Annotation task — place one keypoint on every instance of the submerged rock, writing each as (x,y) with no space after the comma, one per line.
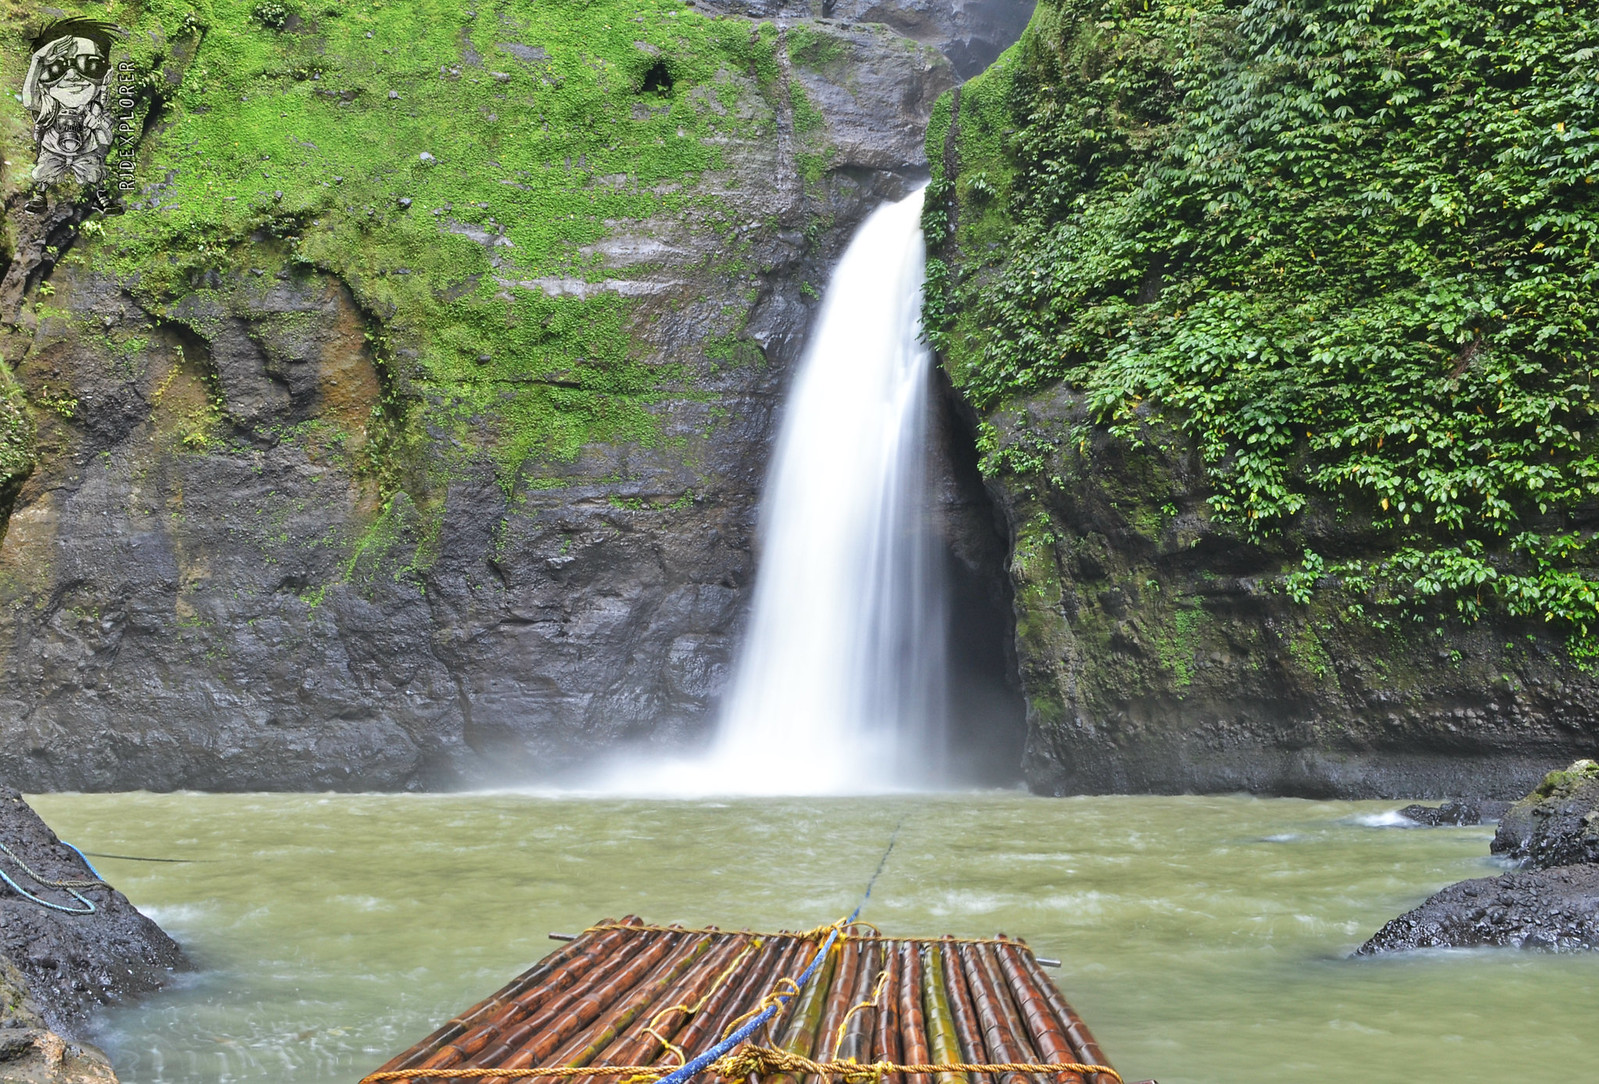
(71,962)
(1554,909)
(1557,824)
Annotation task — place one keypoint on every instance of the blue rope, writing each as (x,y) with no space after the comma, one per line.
(698,1065)
(85,858)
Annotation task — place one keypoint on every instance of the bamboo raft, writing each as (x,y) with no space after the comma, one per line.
(649,998)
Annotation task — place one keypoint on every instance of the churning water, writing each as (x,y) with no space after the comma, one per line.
(1205,940)
(838,684)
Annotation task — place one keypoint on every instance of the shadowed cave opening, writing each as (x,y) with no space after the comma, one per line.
(986,710)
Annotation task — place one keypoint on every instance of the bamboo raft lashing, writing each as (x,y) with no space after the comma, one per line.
(649,998)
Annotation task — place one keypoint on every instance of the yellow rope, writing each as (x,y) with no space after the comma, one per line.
(694,1010)
(869,1003)
(845,933)
(760,1060)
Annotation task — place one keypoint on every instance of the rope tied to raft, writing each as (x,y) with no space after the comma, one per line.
(747,1059)
(847,933)
(68,885)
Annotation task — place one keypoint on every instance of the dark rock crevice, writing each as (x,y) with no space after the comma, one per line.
(987,712)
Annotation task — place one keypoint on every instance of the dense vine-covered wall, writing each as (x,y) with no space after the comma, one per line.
(1278,317)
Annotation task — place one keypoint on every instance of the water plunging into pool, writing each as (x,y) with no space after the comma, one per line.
(837,687)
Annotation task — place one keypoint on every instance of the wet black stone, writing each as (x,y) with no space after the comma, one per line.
(72,963)
(1450,813)
(1556,910)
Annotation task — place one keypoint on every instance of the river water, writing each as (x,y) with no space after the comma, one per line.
(1204,939)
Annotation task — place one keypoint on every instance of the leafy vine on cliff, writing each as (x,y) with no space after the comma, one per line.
(1349,246)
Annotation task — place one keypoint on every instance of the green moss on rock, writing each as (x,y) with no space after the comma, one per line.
(1348,252)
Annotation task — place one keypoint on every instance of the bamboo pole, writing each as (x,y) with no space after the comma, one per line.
(943,1042)
(850,957)
(885,1029)
(535,1040)
(800,1035)
(913,1029)
(1048,1034)
(1077,1032)
(1004,1034)
(964,1013)
(852,1039)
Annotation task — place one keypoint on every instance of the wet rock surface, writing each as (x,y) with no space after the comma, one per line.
(1557,824)
(31,1053)
(1455,813)
(1553,904)
(1553,909)
(971,33)
(71,963)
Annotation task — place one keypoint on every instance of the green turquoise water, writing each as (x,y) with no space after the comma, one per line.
(1204,939)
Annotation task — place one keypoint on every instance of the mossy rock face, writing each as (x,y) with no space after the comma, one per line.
(406,425)
(1558,823)
(1247,554)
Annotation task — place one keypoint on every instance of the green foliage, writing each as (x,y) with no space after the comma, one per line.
(16,432)
(456,168)
(1348,246)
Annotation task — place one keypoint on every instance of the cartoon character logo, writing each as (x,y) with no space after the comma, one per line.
(67,92)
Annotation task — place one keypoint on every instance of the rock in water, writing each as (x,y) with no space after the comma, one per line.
(1552,905)
(1557,824)
(72,963)
(1555,909)
(1450,813)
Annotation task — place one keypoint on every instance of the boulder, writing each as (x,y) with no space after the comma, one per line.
(70,963)
(1557,824)
(1456,812)
(1551,909)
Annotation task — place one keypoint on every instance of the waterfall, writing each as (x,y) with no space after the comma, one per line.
(838,686)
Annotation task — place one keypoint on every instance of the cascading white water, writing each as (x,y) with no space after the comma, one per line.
(838,686)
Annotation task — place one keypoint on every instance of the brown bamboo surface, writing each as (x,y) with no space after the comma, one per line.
(628,994)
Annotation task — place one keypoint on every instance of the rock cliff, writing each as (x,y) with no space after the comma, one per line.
(1298,500)
(403,424)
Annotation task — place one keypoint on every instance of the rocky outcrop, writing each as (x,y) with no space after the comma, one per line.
(337,487)
(1553,904)
(1210,592)
(72,962)
(58,963)
(1557,824)
(971,33)
(1552,909)
(1160,652)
